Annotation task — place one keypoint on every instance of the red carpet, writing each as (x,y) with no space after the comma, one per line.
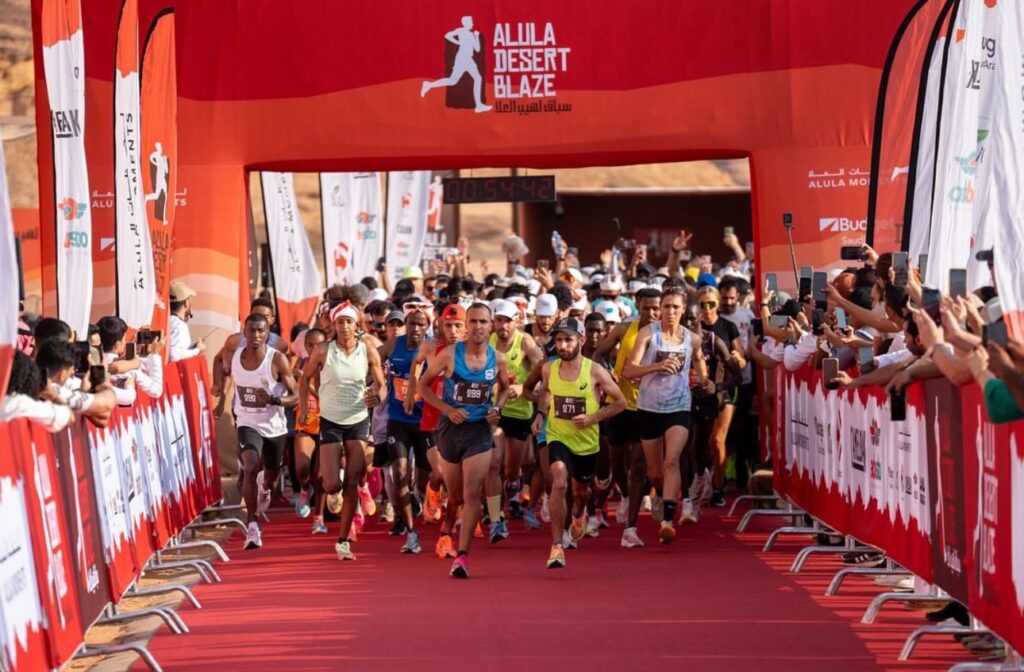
(711,601)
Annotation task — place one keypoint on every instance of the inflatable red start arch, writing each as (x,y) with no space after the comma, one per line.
(321,85)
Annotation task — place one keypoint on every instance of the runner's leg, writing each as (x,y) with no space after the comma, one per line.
(474,471)
(355,470)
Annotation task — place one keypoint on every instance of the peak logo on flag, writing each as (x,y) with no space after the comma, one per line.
(841,224)
(71,209)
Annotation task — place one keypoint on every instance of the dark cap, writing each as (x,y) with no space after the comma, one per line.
(569,325)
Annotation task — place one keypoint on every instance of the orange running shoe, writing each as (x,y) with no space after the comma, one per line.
(444,547)
(432,508)
(479,531)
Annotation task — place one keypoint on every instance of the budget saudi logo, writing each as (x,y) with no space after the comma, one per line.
(525,60)
(839,224)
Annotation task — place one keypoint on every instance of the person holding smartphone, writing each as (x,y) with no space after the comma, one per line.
(129,373)
(181,344)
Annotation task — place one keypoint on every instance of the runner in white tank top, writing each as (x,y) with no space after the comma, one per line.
(263,387)
(344,365)
(661,359)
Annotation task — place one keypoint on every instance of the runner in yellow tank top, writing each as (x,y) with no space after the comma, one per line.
(521,354)
(624,431)
(570,389)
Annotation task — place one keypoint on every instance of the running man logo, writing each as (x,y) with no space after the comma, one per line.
(159,173)
(463,56)
(71,209)
(841,224)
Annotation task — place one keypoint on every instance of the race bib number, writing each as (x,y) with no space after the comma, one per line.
(567,408)
(471,393)
(402,389)
(248,397)
(662,355)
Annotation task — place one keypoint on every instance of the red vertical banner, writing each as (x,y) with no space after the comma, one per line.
(159,111)
(50,542)
(22,635)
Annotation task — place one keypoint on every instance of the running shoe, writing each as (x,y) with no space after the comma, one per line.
(556,559)
(864,558)
(387,513)
(622,513)
(512,488)
(646,504)
(718,499)
(460,568)
(412,543)
(630,539)
(709,485)
(499,531)
(657,509)
(545,512)
(444,548)
(358,521)
(696,489)
(479,531)
(262,495)
(578,528)
(302,509)
(334,503)
(366,500)
(432,508)
(567,540)
(344,550)
(602,521)
(318,526)
(398,529)
(666,533)
(687,514)
(253,538)
(593,525)
(530,519)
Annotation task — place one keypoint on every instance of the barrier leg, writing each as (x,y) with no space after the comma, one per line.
(180,545)
(174,624)
(916,635)
(196,565)
(166,588)
(87,651)
(890,569)
(220,522)
(815,528)
(849,547)
(749,515)
(882,598)
(751,498)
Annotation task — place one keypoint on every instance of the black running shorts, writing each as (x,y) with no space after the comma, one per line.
(581,467)
(457,442)
(654,425)
(332,432)
(516,428)
(402,437)
(270,448)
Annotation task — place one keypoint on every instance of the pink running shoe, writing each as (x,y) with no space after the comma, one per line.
(366,500)
(460,568)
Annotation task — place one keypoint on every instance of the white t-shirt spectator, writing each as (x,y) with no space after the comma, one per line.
(54,417)
(148,378)
(181,340)
(903,356)
(742,317)
(797,355)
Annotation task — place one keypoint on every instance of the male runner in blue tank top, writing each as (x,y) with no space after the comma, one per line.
(471,370)
(403,429)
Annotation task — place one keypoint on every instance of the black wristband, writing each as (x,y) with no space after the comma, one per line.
(274,401)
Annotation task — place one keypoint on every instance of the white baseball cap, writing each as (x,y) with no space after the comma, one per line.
(580,302)
(503,308)
(636,285)
(547,306)
(610,311)
(378,295)
(533,286)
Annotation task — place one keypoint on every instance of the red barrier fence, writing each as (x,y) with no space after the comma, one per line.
(942,493)
(84,509)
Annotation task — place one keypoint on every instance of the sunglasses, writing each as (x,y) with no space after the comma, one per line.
(706,305)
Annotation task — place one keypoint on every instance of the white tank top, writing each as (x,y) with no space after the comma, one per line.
(268,421)
(663,392)
(343,385)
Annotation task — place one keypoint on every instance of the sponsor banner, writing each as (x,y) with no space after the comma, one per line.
(441,235)
(136,281)
(52,551)
(1005,195)
(84,527)
(8,280)
(924,171)
(195,384)
(118,550)
(159,115)
(961,146)
(352,210)
(894,139)
(942,492)
(22,637)
(407,219)
(297,283)
(64,66)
